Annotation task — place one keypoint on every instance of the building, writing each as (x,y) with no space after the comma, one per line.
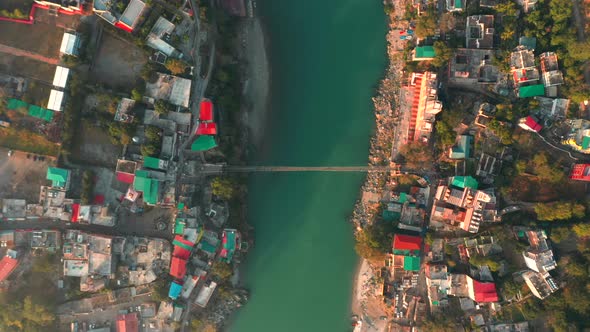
(59,177)
(149,187)
(481,292)
(70,44)
(421,53)
(539,256)
(67,6)
(455,5)
(230,241)
(60,79)
(541,284)
(527,5)
(550,70)
(155,163)
(175,290)
(479,31)
(464,182)
(14,209)
(174,89)
(406,250)
(465,208)
(580,172)
(130,17)
(488,166)
(125,171)
(530,123)
(438,283)
(462,149)
(205,294)
(160,35)
(424,105)
(529,43)
(203,143)
(127,323)
(7,265)
(531,91)
(206,110)
(125,110)
(56,99)
(473,66)
(178,267)
(578,136)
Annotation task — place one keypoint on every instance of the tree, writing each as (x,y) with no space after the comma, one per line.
(559,211)
(487,261)
(148,150)
(416,155)
(426,25)
(374,240)
(582,230)
(223,187)
(87,187)
(152,133)
(136,95)
(443,54)
(162,107)
(561,233)
(221,270)
(176,66)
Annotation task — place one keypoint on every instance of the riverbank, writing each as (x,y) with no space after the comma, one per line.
(367,303)
(256,98)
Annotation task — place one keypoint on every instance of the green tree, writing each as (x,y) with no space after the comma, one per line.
(581,230)
(87,192)
(479,260)
(221,270)
(162,107)
(148,150)
(223,187)
(427,23)
(561,210)
(136,95)
(176,66)
(443,54)
(416,155)
(153,133)
(561,233)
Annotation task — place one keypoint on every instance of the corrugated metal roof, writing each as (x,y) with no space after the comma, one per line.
(69,44)
(7,265)
(58,176)
(531,91)
(55,100)
(61,76)
(132,13)
(181,92)
(203,143)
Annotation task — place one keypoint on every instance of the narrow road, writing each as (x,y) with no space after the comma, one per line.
(35,56)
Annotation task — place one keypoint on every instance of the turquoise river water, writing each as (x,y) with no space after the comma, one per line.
(327,57)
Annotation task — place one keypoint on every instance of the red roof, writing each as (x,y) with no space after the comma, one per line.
(533,124)
(182,240)
(75,212)
(128,323)
(178,267)
(98,199)
(123,26)
(581,172)
(406,242)
(125,177)
(484,291)
(7,265)
(206,110)
(180,252)
(207,128)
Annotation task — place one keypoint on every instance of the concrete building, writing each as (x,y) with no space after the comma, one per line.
(530,123)
(174,89)
(462,148)
(68,6)
(541,284)
(205,294)
(473,66)
(580,172)
(479,31)
(125,110)
(14,209)
(455,5)
(70,44)
(424,106)
(539,256)
(160,35)
(550,70)
(527,5)
(438,283)
(60,78)
(578,136)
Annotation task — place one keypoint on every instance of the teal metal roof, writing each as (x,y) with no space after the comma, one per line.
(465,182)
(58,176)
(531,91)
(151,162)
(463,148)
(149,187)
(426,52)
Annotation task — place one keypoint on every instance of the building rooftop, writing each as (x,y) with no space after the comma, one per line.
(7,265)
(423,53)
(462,149)
(548,62)
(205,294)
(522,58)
(70,44)
(473,66)
(529,43)
(174,89)
(541,284)
(55,101)
(132,13)
(480,31)
(148,186)
(407,242)
(60,78)
(531,91)
(128,323)
(464,182)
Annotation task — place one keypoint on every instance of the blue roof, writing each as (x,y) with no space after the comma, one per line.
(175,290)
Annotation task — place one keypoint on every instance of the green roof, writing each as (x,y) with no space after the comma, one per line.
(465,182)
(180,206)
(14,104)
(463,148)
(203,143)
(531,91)
(229,246)
(208,247)
(411,263)
(426,51)
(458,4)
(179,226)
(40,113)
(586,142)
(182,245)
(149,187)
(403,197)
(151,162)
(58,176)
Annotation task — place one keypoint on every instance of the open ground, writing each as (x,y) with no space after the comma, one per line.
(94,147)
(21,177)
(117,62)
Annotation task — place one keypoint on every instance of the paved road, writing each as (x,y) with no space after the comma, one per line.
(35,56)
(131,225)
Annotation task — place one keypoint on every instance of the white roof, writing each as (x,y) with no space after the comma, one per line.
(132,13)
(55,100)
(61,76)
(69,44)
(181,92)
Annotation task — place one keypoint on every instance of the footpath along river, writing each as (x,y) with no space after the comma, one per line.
(326,58)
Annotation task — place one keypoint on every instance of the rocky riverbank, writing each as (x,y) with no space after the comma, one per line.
(365,304)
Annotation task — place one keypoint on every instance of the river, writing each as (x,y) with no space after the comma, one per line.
(326,58)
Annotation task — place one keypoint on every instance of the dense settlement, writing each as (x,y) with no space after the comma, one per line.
(484,115)
(115,213)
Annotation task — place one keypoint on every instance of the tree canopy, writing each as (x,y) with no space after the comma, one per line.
(560,210)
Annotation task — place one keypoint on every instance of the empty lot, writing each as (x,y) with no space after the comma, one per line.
(41,38)
(117,63)
(21,177)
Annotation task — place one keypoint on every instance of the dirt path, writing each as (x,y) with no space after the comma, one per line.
(31,55)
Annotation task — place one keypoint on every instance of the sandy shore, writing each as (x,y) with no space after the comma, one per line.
(257,83)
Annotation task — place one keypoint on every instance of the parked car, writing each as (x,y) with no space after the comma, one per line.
(10,153)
